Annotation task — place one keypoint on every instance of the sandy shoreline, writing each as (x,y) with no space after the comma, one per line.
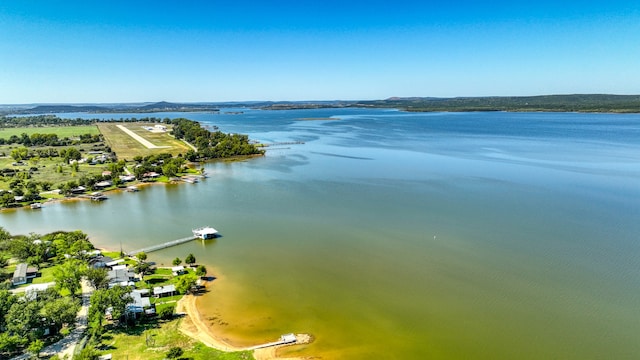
(194,326)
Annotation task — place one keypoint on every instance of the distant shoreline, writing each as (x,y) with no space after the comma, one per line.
(584,103)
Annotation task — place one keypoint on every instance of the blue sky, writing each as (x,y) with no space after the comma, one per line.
(131,51)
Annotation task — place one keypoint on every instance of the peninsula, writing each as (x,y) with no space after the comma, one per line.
(44,157)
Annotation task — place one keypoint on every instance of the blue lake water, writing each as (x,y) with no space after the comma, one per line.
(405,235)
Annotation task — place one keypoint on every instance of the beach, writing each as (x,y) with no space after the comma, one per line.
(194,326)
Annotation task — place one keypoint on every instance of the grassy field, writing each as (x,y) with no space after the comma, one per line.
(126,147)
(61,131)
(48,169)
(152,341)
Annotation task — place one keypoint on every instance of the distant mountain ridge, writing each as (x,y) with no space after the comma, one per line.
(552,103)
(564,103)
(161,106)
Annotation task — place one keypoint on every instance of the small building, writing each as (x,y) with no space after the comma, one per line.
(205,233)
(178,270)
(288,338)
(20,275)
(151,175)
(127,178)
(140,303)
(103,184)
(120,276)
(162,291)
(78,190)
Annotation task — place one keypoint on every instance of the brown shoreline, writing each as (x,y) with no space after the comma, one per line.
(194,326)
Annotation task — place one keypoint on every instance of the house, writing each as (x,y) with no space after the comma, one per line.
(140,303)
(103,184)
(100,261)
(178,270)
(162,291)
(23,273)
(121,275)
(20,275)
(127,178)
(151,175)
(78,190)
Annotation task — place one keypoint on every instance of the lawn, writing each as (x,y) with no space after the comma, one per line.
(46,276)
(61,131)
(126,147)
(52,170)
(152,341)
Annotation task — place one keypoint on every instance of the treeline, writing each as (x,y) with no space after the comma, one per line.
(41,121)
(551,103)
(29,321)
(212,145)
(53,120)
(37,139)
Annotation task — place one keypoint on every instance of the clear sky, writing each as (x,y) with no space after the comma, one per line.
(190,51)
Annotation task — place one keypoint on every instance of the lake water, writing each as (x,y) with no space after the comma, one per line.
(392,235)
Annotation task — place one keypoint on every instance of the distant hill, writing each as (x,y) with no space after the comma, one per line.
(564,103)
(162,106)
(557,103)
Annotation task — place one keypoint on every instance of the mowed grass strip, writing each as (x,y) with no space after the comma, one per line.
(127,147)
(61,131)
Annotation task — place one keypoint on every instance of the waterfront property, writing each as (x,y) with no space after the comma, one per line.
(205,233)
(23,273)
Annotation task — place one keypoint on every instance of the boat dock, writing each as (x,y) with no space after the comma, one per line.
(284,340)
(162,246)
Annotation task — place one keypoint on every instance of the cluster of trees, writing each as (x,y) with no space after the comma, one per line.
(163,163)
(212,145)
(24,153)
(27,321)
(20,185)
(24,323)
(41,121)
(37,139)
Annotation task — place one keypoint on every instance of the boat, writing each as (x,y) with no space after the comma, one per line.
(132,188)
(205,233)
(36,206)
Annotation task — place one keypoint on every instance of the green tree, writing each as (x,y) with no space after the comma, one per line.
(166,312)
(35,347)
(68,275)
(10,343)
(142,256)
(20,153)
(60,311)
(175,352)
(6,301)
(117,298)
(24,320)
(97,278)
(7,199)
(201,270)
(185,283)
(190,259)
(176,262)
(88,353)
(170,170)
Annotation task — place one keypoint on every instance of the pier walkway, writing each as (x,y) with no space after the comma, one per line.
(284,340)
(161,246)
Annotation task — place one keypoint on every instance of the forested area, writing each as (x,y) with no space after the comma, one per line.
(212,145)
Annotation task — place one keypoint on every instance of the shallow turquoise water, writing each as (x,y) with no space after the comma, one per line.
(397,235)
